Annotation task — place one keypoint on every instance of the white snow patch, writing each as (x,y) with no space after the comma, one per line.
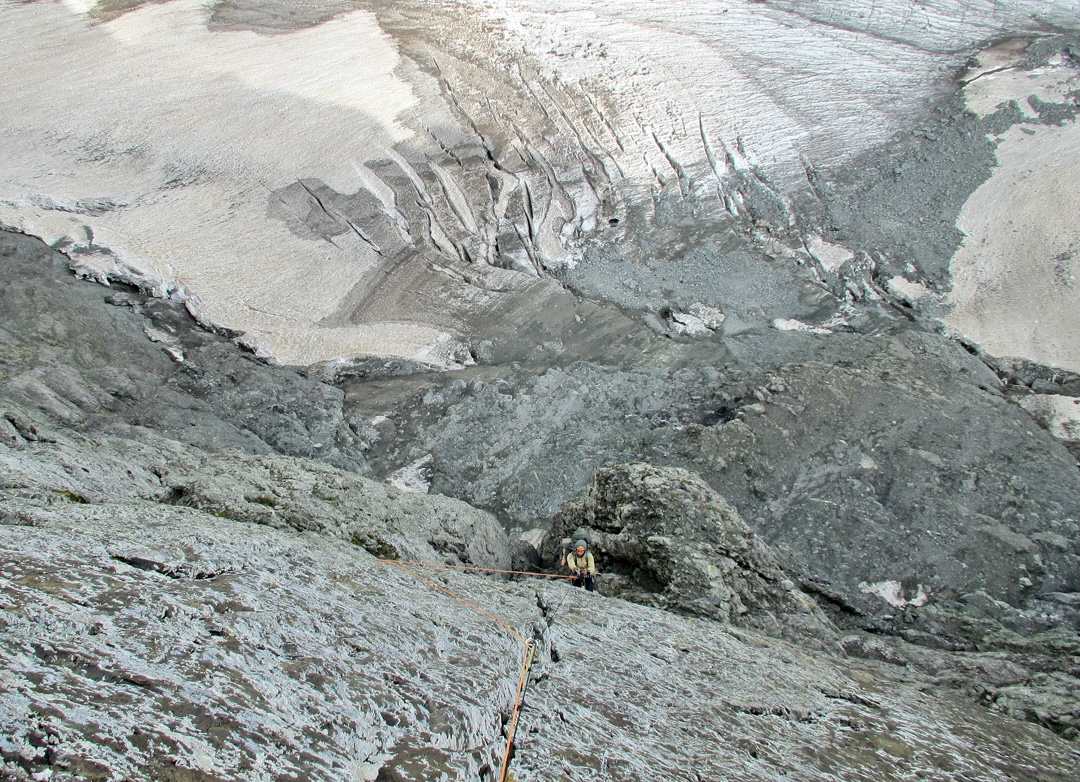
(368,772)
(789,324)
(830,256)
(446,352)
(80,6)
(908,290)
(700,320)
(414,478)
(297,343)
(1059,414)
(347,61)
(892,592)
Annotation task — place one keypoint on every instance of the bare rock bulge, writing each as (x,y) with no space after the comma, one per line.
(667,539)
(289,493)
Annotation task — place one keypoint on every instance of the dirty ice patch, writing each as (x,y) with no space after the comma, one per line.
(790,324)
(995,80)
(1060,415)
(699,320)
(147,148)
(1016,277)
(830,256)
(911,292)
(684,80)
(892,592)
(347,61)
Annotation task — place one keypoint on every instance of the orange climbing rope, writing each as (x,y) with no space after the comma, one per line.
(476,567)
(530,646)
(473,606)
(523,679)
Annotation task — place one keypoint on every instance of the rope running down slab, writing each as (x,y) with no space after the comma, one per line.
(444,590)
(530,646)
(523,679)
(477,567)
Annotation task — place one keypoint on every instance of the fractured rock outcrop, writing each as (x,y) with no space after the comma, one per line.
(62,466)
(861,459)
(664,537)
(298,494)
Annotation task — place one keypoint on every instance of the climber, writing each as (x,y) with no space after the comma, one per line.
(581,563)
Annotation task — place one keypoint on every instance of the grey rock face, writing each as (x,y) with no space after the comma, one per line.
(894,460)
(1014,670)
(145,363)
(874,462)
(296,494)
(861,459)
(145,641)
(884,466)
(189,647)
(663,536)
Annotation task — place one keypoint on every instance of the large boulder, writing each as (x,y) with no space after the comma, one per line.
(875,465)
(664,537)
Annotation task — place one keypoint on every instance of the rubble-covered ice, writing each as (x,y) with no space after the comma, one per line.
(346,180)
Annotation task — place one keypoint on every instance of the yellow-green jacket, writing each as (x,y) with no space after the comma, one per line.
(585,563)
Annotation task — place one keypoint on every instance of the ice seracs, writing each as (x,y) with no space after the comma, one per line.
(342,187)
